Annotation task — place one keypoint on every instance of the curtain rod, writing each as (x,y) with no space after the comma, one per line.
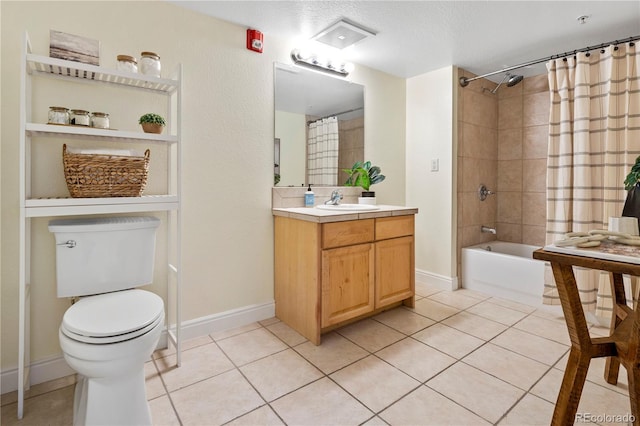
(338,113)
(464,81)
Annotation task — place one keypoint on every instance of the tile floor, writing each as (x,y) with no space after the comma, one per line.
(458,358)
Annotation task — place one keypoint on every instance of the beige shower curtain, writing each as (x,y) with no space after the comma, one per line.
(594,139)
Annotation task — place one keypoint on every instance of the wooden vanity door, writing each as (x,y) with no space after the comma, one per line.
(394,270)
(347,283)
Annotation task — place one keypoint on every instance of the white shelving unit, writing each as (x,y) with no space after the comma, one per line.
(52,68)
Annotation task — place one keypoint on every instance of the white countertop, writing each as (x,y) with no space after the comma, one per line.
(312,214)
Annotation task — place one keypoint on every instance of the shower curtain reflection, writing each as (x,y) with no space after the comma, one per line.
(594,139)
(322,152)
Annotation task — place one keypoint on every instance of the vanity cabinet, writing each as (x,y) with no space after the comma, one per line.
(330,274)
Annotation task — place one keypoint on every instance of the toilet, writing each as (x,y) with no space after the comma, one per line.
(113,328)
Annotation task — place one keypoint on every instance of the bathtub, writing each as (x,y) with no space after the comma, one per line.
(504,270)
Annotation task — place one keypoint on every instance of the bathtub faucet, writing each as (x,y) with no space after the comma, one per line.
(487,229)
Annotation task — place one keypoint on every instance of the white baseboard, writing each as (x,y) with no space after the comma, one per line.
(227,320)
(56,367)
(441,281)
(42,371)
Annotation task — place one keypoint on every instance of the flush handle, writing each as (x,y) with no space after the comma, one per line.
(68,244)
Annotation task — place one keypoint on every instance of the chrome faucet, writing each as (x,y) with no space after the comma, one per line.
(336,196)
(487,229)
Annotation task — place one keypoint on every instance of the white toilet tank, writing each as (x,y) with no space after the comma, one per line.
(103,254)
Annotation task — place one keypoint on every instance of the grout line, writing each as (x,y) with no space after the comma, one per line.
(164,385)
(375,353)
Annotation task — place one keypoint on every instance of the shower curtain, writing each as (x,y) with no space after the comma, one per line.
(322,152)
(594,139)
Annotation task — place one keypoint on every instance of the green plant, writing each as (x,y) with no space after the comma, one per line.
(634,176)
(363,174)
(152,118)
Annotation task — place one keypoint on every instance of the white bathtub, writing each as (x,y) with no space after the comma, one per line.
(505,270)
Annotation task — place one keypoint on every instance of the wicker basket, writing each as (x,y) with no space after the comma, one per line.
(93,175)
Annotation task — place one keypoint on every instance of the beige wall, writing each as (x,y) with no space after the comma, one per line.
(228,130)
(291,129)
(431,136)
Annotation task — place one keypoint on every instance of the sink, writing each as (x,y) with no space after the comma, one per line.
(348,207)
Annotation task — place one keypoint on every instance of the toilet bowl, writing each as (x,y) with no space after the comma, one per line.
(112,330)
(108,351)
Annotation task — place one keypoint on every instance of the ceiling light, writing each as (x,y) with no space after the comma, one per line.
(331,65)
(343,34)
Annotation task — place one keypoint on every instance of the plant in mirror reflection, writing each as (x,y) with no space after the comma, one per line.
(363,174)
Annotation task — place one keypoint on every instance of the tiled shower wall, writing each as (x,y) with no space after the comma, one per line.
(351,136)
(502,143)
(477,161)
(523,124)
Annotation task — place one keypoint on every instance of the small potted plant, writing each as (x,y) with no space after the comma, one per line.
(363,174)
(152,123)
(632,185)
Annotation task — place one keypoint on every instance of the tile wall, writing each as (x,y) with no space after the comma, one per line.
(351,136)
(477,161)
(502,143)
(523,120)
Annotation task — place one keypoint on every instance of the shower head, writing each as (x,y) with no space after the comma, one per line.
(511,80)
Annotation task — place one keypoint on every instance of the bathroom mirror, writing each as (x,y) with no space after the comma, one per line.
(302,97)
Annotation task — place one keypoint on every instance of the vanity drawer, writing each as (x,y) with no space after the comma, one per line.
(338,234)
(392,227)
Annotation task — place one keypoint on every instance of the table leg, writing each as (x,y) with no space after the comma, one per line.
(580,356)
(634,396)
(612,365)
(572,384)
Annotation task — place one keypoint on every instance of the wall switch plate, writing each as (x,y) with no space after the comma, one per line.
(435,165)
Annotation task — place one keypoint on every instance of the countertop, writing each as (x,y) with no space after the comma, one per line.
(312,214)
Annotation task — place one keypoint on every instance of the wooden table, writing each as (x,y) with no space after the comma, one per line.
(624,331)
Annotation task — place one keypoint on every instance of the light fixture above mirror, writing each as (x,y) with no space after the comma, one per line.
(318,62)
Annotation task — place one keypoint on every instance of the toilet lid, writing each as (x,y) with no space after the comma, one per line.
(113,317)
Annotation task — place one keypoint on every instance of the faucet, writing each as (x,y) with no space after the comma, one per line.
(487,229)
(336,196)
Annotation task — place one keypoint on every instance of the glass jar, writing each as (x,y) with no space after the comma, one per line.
(150,64)
(58,115)
(127,63)
(100,120)
(79,117)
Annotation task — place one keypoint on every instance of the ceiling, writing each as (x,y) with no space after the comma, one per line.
(415,37)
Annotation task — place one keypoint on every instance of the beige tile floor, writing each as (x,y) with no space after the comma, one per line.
(458,358)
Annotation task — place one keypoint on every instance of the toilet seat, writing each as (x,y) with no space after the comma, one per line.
(113,317)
